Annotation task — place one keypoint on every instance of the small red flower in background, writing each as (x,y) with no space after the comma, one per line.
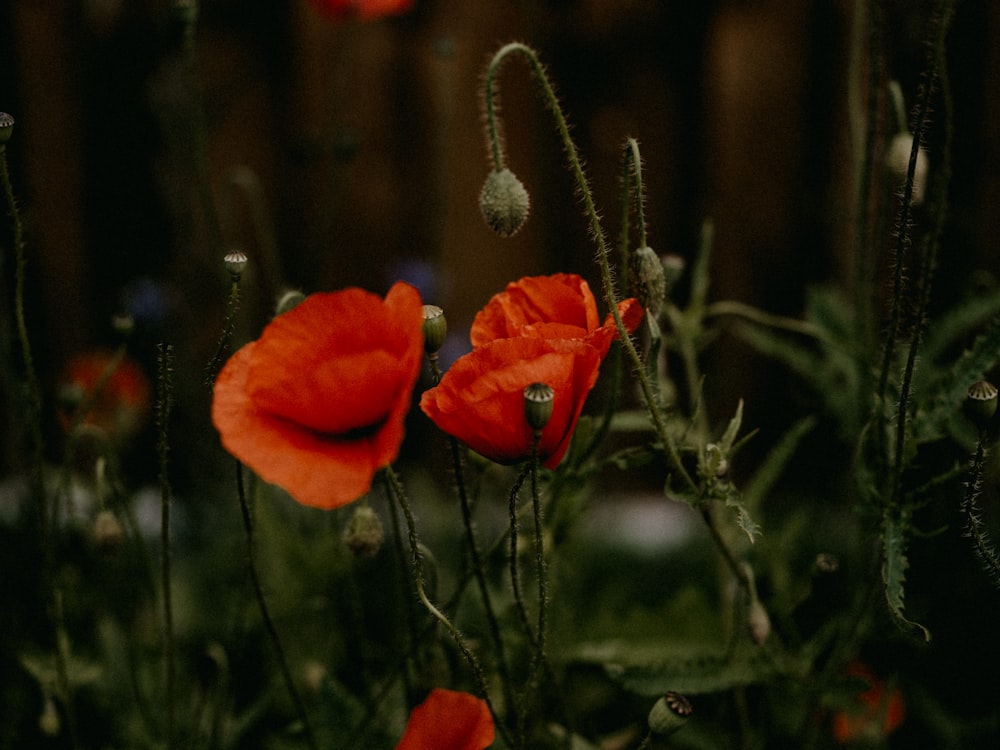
(363,10)
(317,403)
(448,720)
(542,329)
(560,306)
(122,404)
(877,714)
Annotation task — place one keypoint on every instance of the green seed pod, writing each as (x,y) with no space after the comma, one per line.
(363,535)
(504,202)
(981,403)
(669,713)
(435,328)
(648,282)
(538,399)
(236,263)
(6,127)
(288,300)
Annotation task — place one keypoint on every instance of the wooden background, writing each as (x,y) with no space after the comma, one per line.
(364,144)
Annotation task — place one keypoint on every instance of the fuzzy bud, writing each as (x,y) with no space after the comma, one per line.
(669,713)
(897,160)
(363,535)
(504,202)
(6,127)
(288,300)
(758,622)
(538,399)
(649,284)
(981,403)
(236,263)
(435,328)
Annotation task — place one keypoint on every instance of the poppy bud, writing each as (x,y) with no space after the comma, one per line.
(48,722)
(538,405)
(673,269)
(435,328)
(236,263)
(107,532)
(363,535)
(648,281)
(6,127)
(758,622)
(504,202)
(288,300)
(669,713)
(981,403)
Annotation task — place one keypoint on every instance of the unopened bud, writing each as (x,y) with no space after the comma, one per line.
(504,202)
(758,622)
(538,398)
(48,721)
(981,403)
(288,301)
(363,535)
(648,281)
(236,263)
(669,713)
(897,160)
(435,328)
(673,269)
(6,127)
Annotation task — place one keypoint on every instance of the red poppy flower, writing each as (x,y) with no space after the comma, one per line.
(480,400)
(363,10)
(560,306)
(448,720)
(877,713)
(317,403)
(122,404)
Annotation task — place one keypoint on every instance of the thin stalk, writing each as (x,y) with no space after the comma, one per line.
(540,562)
(164,362)
(265,613)
(221,349)
(416,560)
(512,555)
(590,210)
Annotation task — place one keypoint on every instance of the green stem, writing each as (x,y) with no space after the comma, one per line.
(222,348)
(515,574)
(265,613)
(164,361)
(418,578)
(540,561)
(590,210)
(633,167)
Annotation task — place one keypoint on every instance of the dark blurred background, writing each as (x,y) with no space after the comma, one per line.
(344,153)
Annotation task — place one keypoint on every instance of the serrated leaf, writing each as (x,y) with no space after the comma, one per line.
(743,519)
(894,565)
(732,430)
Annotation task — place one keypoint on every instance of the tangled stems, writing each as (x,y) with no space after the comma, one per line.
(590,210)
(416,560)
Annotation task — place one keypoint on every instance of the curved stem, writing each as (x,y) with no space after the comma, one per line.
(164,361)
(590,210)
(418,578)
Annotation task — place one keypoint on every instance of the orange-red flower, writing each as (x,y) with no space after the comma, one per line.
(560,306)
(317,403)
(542,329)
(448,720)
(877,713)
(363,10)
(121,403)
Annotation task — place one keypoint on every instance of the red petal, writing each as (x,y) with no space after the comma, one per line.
(448,720)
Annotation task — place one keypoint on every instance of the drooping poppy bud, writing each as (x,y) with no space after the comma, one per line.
(363,535)
(288,301)
(648,281)
(504,202)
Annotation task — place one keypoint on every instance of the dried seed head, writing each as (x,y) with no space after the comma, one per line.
(6,127)
(435,328)
(504,202)
(236,263)
(538,398)
(981,403)
(669,713)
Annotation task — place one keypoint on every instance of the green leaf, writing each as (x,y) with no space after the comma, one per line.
(729,436)
(894,565)
(773,465)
